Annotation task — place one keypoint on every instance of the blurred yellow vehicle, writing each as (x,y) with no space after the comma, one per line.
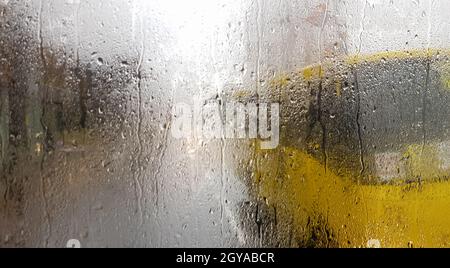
(365,155)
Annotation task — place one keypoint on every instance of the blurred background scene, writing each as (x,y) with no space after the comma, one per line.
(88,87)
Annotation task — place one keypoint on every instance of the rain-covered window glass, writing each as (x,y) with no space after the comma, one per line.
(224,123)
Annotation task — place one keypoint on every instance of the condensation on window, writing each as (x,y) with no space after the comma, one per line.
(91,150)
